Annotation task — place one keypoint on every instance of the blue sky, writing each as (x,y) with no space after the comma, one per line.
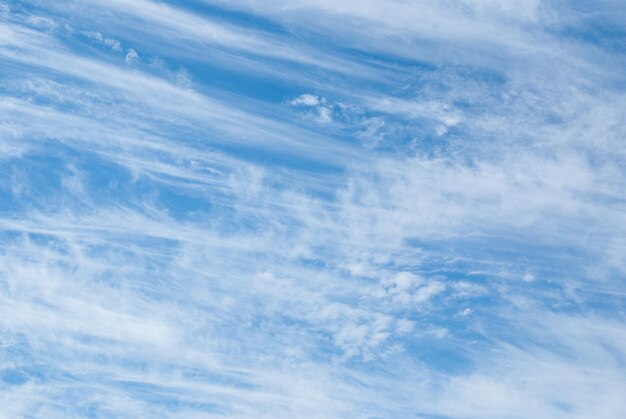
(312,209)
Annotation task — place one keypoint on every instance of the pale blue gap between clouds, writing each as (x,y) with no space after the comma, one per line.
(312,209)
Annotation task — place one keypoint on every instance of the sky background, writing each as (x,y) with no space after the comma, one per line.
(313,209)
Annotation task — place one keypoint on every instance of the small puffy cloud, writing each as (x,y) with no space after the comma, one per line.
(131,56)
(320,112)
(363,334)
(405,288)
(324,115)
(115,45)
(441,130)
(428,291)
(307,100)
(403,281)
(466,312)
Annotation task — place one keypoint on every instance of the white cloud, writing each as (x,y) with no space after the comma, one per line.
(307,99)
(324,115)
(131,56)
(321,113)
(114,44)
